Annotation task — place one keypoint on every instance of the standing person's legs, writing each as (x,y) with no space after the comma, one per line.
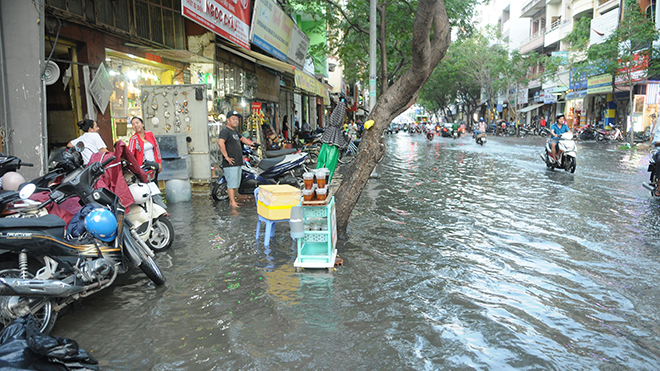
(233,177)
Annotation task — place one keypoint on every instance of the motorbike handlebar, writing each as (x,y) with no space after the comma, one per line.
(108,161)
(26,164)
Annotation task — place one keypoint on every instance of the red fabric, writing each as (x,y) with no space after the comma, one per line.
(113,178)
(136,146)
(66,210)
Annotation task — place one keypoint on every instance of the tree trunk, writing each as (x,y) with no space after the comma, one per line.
(428,50)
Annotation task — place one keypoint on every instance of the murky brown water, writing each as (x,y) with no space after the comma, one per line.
(460,257)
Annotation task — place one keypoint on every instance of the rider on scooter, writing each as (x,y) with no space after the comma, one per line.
(556,131)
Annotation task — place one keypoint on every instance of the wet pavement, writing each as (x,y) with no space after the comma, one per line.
(460,257)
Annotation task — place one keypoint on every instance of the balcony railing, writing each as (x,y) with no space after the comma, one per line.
(530,5)
(534,36)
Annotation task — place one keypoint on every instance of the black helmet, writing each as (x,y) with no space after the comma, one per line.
(559,115)
(67,159)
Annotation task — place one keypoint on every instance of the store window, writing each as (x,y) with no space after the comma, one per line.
(127,76)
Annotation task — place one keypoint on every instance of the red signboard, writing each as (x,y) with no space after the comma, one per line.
(227,18)
(637,68)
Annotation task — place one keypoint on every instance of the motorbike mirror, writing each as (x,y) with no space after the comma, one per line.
(80,146)
(26,190)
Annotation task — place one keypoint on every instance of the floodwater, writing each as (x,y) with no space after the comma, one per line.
(460,257)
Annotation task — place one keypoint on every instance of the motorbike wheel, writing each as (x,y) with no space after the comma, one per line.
(219,191)
(148,266)
(41,308)
(543,134)
(536,132)
(570,164)
(600,137)
(162,234)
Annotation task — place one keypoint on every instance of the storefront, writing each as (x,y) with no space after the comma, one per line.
(128,74)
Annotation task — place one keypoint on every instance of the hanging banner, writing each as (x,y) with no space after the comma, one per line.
(228,19)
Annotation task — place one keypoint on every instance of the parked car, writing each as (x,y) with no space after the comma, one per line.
(446,129)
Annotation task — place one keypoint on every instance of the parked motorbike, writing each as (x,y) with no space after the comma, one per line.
(586,132)
(279,170)
(41,271)
(149,212)
(566,153)
(603,135)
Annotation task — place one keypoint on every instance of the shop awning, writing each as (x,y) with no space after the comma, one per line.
(529,108)
(180,55)
(261,59)
(312,85)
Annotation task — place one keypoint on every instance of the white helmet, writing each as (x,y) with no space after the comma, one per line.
(11,180)
(140,192)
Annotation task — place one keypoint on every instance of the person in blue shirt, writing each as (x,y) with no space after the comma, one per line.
(556,131)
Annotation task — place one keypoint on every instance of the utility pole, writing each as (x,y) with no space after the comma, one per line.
(372,54)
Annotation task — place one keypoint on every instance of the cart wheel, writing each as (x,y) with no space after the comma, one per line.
(330,270)
(298,269)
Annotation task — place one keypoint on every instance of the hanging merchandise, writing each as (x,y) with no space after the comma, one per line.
(174,114)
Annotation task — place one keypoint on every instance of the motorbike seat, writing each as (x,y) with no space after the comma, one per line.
(280,152)
(267,163)
(47,221)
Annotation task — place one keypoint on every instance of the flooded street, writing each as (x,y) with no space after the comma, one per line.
(460,257)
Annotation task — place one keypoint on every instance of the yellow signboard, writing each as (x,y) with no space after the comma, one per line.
(312,85)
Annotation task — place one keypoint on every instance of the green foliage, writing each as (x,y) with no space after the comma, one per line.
(578,39)
(618,54)
(348,32)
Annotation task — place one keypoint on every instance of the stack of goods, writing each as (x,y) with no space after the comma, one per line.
(316,187)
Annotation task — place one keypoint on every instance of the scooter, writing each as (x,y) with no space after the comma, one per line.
(41,271)
(566,153)
(480,139)
(149,212)
(654,169)
(279,170)
(430,134)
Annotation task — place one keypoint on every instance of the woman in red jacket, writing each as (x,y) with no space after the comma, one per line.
(143,145)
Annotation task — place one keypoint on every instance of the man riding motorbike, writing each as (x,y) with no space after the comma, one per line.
(556,131)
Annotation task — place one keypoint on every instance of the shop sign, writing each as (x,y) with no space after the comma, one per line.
(272,29)
(599,84)
(548,97)
(310,84)
(101,88)
(298,47)
(637,68)
(228,19)
(256,107)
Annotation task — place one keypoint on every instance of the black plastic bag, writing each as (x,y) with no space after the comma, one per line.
(23,347)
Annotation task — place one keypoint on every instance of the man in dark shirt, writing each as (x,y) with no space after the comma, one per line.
(232,154)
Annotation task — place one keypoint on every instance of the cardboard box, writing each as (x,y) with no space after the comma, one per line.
(274,202)
(279,195)
(274,212)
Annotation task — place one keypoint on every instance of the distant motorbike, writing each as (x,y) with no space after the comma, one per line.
(480,139)
(279,170)
(430,134)
(603,135)
(566,153)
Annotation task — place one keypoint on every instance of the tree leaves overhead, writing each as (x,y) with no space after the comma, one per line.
(348,32)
